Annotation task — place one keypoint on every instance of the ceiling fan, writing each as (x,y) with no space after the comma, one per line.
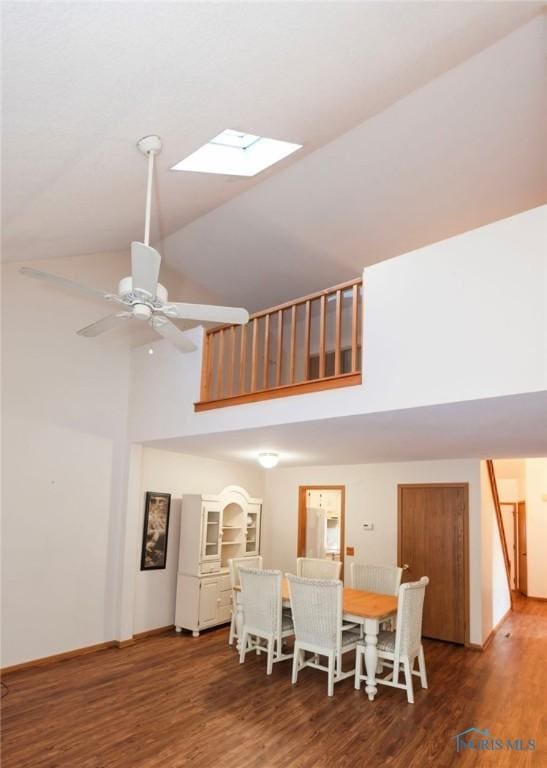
(140,296)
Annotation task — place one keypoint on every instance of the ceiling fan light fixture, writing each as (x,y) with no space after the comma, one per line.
(268,460)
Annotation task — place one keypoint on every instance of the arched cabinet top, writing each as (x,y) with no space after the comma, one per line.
(237,494)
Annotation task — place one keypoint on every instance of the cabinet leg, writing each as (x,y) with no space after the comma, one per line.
(178,629)
(195,633)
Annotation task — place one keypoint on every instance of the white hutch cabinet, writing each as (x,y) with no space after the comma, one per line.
(213,529)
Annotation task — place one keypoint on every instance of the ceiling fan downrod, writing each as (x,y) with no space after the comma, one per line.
(149,146)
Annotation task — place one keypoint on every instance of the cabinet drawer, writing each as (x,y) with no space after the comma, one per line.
(212,567)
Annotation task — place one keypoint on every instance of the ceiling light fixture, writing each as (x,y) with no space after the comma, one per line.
(150,351)
(268,460)
(234,153)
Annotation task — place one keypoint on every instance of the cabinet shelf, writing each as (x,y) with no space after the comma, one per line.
(229,543)
(232,527)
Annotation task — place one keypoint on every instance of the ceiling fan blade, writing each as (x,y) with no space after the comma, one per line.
(105,324)
(207,313)
(65,283)
(170,332)
(145,268)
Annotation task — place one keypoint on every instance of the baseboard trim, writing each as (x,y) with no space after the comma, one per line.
(124,643)
(57,657)
(539,599)
(474,647)
(490,636)
(152,632)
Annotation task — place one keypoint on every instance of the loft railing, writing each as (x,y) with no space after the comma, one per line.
(308,344)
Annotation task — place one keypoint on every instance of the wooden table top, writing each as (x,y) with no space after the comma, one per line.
(357,602)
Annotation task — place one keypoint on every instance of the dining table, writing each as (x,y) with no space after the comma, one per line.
(368,609)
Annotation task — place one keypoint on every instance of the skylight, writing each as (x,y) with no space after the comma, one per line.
(234,153)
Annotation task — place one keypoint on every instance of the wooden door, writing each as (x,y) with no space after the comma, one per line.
(522,553)
(432,542)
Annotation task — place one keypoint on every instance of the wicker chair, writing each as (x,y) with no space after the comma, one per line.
(263,617)
(402,647)
(233,565)
(384,579)
(316,568)
(318,628)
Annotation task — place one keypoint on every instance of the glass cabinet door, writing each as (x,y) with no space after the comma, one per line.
(211,532)
(252,538)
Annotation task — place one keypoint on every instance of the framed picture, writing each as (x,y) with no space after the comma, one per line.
(156,529)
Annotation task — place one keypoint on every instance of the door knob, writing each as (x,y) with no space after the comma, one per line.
(406,567)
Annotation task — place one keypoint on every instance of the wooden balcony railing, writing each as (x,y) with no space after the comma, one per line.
(308,344)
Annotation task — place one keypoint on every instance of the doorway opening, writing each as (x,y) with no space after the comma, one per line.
(522,486)
(321,522)
(514,526)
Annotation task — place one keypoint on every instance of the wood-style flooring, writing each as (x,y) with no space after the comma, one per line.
(173,701)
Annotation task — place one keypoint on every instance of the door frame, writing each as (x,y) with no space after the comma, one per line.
(301,533)
(521,514)
(513,505)
(465,488)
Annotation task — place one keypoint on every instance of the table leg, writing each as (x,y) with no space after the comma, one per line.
(371,656)
(239,622)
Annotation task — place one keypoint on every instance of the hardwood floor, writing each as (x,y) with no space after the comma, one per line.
(172,701)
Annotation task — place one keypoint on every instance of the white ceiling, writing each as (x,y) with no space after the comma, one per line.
(491,428)
(83,81)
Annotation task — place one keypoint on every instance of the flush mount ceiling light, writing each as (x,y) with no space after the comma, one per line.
(268,460)
(234,153)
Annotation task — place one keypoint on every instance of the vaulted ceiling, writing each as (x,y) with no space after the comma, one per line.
(418,120)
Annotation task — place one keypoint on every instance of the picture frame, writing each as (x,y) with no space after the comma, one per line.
(155,531)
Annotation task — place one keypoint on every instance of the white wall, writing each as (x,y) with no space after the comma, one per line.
(511,479)
(435,316)
(65,460)
(371,496)
(65,404)
(536,526)
(431,329)
(178,474)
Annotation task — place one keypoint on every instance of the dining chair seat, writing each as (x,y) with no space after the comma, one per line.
(350,636)
(386,641)
(286,622)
